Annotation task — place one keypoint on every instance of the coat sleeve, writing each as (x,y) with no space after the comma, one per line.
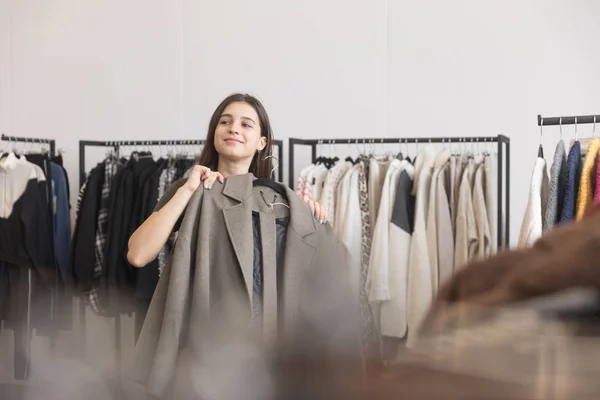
(36,221)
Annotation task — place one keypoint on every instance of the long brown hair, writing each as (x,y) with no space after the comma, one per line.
(261,165)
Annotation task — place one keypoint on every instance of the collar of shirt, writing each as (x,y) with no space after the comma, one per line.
(9,162)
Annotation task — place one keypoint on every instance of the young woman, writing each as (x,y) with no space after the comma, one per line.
(238,141)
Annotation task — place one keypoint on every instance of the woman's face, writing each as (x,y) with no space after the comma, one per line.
(237,136)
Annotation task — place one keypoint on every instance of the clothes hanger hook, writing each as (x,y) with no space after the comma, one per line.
(273,203)
(560,124)
(594,132)
(575,128)
(541,130)
(275,167)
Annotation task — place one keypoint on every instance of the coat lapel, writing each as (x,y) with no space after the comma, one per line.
(238,220)
(299,252)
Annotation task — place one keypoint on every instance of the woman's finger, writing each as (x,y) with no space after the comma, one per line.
(210,179)
(311,204)
(318,212)
(220,177)
(323,213)
(203,171)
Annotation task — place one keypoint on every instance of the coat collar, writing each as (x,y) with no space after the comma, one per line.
(9,161)
(239,187)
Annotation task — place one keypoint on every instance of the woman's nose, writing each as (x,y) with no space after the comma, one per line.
(234,128)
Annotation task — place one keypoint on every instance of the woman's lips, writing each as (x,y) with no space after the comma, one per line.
(233,140)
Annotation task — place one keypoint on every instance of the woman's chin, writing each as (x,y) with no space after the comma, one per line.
(232,155)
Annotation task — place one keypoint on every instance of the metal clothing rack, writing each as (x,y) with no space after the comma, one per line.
(503,142)
(50,142)
(117,144)
(569,120)
(52,152)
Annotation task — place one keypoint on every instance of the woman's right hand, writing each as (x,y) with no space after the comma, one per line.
(201,174)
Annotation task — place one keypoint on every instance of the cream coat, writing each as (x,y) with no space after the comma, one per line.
(531,228)
(433,229)
(420,288)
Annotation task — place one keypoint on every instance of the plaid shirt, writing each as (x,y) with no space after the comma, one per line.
(167,176)
(93,297)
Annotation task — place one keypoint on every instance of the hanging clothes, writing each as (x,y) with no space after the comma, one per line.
(466,240)
(484,236)
(531,228)
(405,228)
(378,281)
(388,267)
(556,190)
(597,191)
(311,181)
(572,184)
(438,221)
(588,179)
(375,180)
(117,196)
(490,179)
(460,167)
(328,197)
(27,264)
(371,335)
(421,288)
(348,227)
(61,218)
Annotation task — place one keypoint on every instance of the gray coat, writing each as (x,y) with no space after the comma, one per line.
(556,192)
(203,300)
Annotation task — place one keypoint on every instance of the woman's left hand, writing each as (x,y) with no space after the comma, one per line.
(317,210)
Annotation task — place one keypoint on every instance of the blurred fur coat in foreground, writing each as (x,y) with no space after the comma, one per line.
(566,257)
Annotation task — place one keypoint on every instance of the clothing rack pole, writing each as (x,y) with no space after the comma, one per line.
(569,120)
(502,141)
(117,144)
(50,142)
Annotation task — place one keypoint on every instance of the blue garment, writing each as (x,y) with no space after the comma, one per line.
(572,186)
(61,218)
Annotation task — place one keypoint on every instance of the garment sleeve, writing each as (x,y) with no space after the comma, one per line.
(169,193)
(35,220)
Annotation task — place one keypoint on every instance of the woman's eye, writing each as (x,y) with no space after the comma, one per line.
(224,122)
(247,125)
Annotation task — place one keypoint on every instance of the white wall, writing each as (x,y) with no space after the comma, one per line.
(109,70)
(156,70)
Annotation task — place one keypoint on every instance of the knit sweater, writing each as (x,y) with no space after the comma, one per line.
(597,193)
(572,185)
(588,179)
(556,192)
